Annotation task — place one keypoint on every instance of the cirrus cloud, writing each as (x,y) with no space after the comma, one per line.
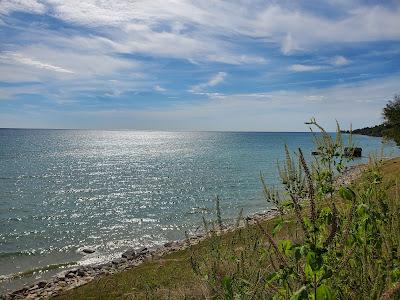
(213,81)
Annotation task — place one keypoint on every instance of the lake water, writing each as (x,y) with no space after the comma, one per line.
(61,190)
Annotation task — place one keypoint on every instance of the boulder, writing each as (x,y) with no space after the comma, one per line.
(41,284)
(129,254)
(143,250)
(70,274)
(81,272)
(88,250)
(118,261)
(353,151)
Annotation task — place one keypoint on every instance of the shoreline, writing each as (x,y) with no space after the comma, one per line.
(133,257)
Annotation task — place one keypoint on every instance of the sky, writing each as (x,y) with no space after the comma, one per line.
(235,65)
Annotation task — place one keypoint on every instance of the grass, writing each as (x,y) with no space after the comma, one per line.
(168,277)
(172,276)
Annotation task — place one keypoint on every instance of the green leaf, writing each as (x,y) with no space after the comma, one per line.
(347,193)
(278,226)
(285,246)
(227,284)
(287,204)
(324,293)
(314,260)
(272,277)
(395,275)
(308,271)
(300,294)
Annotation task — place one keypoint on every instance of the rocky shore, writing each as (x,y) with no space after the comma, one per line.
(131,258)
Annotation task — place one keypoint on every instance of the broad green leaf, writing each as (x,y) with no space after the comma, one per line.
(285,246)
(347,193)
(324,293)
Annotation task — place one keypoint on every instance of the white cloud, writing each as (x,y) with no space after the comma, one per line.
(214,80)
(305,68)
(10,92)
(32,6)
(340,61)
(19,58)
(306,30)
(64,71)
(67,61)
(193,29)
(217,79)
(251,112)
(158,88)
(256,111)
(233,59)
(336,61)
(197,31)
(289,45)
(314,98)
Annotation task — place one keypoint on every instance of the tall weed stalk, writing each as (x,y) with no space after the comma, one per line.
(330,241)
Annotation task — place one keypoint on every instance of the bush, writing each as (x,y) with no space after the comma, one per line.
(391,114)
(331,241)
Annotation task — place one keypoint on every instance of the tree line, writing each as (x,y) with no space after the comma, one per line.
(390,128)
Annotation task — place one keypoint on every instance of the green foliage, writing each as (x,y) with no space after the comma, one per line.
(391,126)
(391,114)
(376,130)
(330,241)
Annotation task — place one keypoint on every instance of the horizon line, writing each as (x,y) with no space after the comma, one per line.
(157,130)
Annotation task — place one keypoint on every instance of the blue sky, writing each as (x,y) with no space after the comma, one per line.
(197,65)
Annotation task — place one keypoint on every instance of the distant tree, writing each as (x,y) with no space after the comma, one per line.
(390,128)
(391,115)
(391,112)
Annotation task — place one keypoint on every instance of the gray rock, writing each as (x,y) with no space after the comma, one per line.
(70,275)
(353,152)
(143,250)
(88,250)
(33,288)
(118,261)
(81,272)
(41,284)
(60,277)
(129,254)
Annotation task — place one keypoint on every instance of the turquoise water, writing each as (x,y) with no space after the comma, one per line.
(61,190)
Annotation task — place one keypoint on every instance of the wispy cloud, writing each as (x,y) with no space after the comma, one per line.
(33,6)
(85,52)
(305,68)
(214,80)
(289,45)
(291,27)
(255,111)
(19,58)
(340,60)
(158,88)
(336,61)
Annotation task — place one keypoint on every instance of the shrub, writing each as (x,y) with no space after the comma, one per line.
(331,241)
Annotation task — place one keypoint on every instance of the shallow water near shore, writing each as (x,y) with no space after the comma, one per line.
(65,190)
